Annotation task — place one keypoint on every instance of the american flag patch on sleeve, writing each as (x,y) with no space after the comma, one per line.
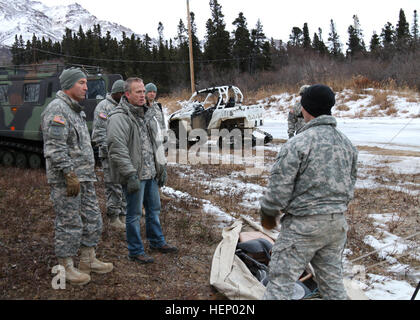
(103,115)
(59,120)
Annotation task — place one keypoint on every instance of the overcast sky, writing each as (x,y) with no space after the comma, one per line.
(278,17)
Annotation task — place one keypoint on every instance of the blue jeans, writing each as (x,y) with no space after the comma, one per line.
(149,196)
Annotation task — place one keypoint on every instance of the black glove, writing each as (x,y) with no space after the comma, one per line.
(163,178)
(291,135)
(133,184)
(267,221)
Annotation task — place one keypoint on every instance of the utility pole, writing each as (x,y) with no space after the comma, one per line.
(191,49)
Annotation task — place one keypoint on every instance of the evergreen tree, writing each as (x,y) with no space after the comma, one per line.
(195,43)
(296,37)
(260,56)
(415,31)
(18,51)
(318,44)
(218,45)
(306,38)
(356,44)
(375,44)
(387,35)
(334,41)
(387,40)
(182,34)
(242,45)
(402,32)
(182,52)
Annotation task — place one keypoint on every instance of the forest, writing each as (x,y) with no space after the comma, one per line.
(245,57)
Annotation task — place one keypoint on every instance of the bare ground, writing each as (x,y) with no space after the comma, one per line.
(27,234)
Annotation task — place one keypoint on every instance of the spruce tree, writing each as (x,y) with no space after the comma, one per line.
(296,37)
(218,44)
(356,44)
(402,32)
(415,31)
(306,39)
(334,41)
(242,45)
(375,44)
(259,49)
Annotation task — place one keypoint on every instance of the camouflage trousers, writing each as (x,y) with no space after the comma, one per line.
(115,200)
(78,219)
(319,240)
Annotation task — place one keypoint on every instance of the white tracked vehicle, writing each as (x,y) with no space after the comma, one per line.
(218,108)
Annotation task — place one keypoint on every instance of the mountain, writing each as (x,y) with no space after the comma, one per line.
(27,17)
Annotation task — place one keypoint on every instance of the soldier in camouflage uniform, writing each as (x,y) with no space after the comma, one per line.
(151,91)
(312,182)
(115,200)
(138,163)
(295,120)
(71,175)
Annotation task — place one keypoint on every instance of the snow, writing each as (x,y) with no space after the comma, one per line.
(26,17)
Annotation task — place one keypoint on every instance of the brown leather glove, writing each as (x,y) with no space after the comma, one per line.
(73,184)
(268,222)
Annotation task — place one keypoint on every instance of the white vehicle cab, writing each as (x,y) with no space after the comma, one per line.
(218,108)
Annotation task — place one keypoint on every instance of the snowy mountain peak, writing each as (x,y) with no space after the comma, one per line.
(28,17)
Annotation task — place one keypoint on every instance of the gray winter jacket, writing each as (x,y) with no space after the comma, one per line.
(125,136)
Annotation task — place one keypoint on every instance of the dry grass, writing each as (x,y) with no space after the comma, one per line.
(27,249)
(389,152)
(342,107)
(26,232)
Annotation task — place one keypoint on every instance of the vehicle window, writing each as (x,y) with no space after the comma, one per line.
(96,89)
(49,90)
(31,92)
(3,92)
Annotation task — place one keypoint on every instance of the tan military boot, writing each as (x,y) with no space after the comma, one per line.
(89,263)
(73,275)
(122,219)
(115,222)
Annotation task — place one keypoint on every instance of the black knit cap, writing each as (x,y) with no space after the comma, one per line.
(318,100)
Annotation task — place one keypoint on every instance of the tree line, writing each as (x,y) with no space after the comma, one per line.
(222,56)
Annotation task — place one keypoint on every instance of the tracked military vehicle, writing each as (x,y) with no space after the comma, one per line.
(24,93)
(218,108)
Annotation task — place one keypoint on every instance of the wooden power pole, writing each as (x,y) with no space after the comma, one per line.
(191,48)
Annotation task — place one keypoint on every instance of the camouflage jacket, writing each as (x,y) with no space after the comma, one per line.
(295,120)
(160,116)
(134,143)
(67,144)
(314,173)
(100,116)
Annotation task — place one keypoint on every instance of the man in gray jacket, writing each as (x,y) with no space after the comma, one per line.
(115,199)
(295,120)
(312,182)
(138,163)
(71,174)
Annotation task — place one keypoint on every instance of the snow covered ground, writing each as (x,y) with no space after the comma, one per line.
(401,131)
